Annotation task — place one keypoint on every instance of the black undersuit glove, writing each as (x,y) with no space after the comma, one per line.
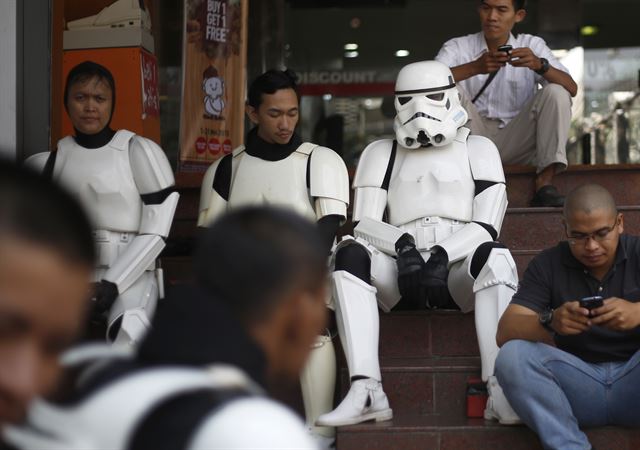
(410,263)
(105,293)
(434,278)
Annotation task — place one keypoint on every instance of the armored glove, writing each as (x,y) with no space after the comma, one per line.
(105,293)
(410,264)
(434,278)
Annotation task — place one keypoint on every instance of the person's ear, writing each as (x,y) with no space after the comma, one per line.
(621,223)
(252,113)
(520,15)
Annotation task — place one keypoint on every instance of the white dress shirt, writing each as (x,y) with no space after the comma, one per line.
(512,87)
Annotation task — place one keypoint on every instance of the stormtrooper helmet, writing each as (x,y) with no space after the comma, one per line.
(427,105)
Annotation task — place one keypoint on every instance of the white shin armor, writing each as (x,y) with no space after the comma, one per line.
(358,324)
(318,381)
(494,286)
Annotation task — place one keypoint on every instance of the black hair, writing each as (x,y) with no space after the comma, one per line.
(270,82)
(85,71)
(517,4)
(36,210)
(251,257)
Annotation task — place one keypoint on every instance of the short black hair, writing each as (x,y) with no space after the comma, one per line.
(270,82)
(251,257)
(517,4)
(85,71)
(36,210)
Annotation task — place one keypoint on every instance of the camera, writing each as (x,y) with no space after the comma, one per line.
(591,302)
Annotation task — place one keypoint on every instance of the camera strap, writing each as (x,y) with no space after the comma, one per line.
(484,86)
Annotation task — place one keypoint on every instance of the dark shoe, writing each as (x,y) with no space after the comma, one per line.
(547,196)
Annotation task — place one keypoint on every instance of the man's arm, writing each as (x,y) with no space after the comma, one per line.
(527,58)
(520,322)
(489,62)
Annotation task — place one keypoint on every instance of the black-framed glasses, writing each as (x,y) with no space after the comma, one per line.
(603,234)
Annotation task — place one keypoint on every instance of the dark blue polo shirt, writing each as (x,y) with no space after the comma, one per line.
(554,277)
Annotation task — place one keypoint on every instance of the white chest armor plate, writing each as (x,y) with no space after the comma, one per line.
(279,183)
(431,182)
(102,180)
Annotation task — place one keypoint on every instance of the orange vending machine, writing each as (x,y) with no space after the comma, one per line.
(118,37)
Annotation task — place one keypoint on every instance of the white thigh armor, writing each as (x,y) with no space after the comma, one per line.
(118,185)
(254,181)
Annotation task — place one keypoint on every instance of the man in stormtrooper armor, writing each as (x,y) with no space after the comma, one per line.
(125,183)
(444,196)
(275,167)
(197,380)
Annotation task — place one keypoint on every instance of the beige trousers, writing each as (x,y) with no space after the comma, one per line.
(537,136)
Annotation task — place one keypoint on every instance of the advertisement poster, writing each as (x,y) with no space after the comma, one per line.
(150,95)
(213,83)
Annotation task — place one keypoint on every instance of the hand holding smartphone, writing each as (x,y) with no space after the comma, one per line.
(505,48)
(591,303)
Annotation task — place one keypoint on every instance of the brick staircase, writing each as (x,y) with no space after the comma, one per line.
(427,357)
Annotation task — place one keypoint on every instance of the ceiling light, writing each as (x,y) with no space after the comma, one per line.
(402,53)
(351,46)
(589,30)
(353,54)
(327,97)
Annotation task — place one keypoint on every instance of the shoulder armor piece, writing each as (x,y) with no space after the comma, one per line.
(484,159)
(121,139)
(207,184)
(151,169)
(237,151)
(37,162)
(307,147)
(328,175)
(373,164)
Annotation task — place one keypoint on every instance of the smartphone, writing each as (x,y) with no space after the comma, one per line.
(505,48)
(591,302)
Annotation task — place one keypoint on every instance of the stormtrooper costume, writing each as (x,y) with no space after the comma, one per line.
(309,179)
(443,193)
(126,187)
(166,407)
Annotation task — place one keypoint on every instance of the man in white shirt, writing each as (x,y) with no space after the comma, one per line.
(527,124)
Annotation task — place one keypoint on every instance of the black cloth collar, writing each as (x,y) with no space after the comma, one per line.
(193,328)
(570,261)
(259,148)
(97,140)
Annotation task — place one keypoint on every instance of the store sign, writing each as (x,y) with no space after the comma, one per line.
(344,83)
(213,81)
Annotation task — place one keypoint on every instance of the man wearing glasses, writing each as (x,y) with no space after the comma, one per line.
(566,362)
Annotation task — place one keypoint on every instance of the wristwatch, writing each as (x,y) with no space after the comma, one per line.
(544,68)
(545,318)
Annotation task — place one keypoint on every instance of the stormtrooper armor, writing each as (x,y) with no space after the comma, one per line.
(126,189)
(313,181)
(442,193)
(238,415)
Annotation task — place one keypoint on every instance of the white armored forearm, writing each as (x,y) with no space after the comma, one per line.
(380,234)
(134,261)
(464,241)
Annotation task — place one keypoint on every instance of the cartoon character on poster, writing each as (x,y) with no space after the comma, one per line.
(213,88)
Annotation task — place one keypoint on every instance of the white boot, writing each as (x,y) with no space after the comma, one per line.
(358,325)
(365,401)
(498,407)
(318,381)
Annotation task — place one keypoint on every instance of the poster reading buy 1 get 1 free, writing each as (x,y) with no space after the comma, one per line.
(213,82)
